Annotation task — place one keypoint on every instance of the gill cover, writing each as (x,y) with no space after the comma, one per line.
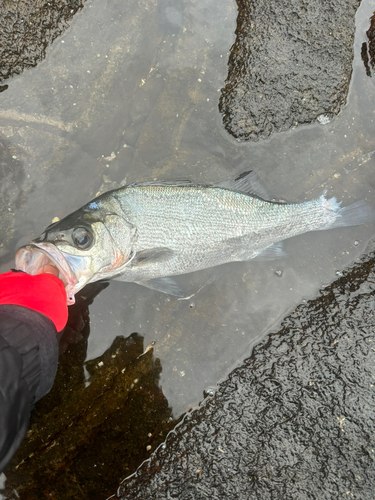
(121,240)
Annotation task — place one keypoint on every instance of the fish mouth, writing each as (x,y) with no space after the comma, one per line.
(30,258)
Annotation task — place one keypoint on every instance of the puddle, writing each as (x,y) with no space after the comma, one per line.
(101,91)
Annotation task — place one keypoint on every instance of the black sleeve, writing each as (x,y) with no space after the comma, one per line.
(28,362)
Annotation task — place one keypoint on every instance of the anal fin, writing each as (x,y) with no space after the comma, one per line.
(275,251)
(165,285)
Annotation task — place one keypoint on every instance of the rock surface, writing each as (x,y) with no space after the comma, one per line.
(291,63)
(26,30)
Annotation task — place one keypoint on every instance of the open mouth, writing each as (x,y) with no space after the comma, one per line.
(31,258)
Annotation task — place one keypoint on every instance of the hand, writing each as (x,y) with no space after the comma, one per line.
(44,292)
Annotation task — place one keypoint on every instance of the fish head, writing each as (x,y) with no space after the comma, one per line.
(86,246)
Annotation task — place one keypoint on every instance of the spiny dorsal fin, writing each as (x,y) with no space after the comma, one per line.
(247,183)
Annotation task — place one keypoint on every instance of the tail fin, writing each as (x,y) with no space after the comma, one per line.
(356,214)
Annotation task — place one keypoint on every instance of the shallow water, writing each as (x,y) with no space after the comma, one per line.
(130,93)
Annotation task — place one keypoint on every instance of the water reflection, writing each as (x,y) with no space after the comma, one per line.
(130,94)
(101,421)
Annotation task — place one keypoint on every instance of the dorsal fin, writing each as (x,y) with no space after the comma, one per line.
(247,183)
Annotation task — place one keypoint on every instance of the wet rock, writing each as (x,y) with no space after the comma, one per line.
(119,164)
(27,28)
(368,48)
(291,63)
(26,167)
(295,421)
(144,97)
(11,176)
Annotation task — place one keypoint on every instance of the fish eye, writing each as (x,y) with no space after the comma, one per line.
(82,238)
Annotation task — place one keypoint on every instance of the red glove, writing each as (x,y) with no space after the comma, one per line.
(44,293)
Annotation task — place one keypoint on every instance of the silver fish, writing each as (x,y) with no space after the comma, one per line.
(147,232)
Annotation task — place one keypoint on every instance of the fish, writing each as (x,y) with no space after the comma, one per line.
(151,231)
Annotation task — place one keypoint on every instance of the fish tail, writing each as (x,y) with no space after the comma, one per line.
(356,214)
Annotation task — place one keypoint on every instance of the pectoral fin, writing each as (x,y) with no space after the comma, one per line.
(164,285)
(151,255)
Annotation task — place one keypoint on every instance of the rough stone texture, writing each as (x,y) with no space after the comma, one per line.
(27,28)
(291,62)
(295,421)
